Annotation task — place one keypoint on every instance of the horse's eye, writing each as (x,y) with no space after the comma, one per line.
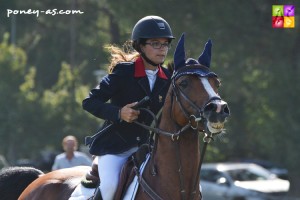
(183,84)
(217,83)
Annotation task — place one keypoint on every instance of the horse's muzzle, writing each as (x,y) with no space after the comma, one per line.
(216,111)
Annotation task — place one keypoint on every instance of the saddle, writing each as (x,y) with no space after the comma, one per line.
(127,173)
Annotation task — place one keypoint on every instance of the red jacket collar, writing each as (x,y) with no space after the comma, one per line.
(139,70)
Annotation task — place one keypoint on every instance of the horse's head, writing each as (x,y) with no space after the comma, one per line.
(195,89)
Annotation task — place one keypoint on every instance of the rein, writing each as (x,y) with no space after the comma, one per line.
(199,116)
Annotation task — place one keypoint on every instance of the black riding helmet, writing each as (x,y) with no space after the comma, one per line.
(150,27)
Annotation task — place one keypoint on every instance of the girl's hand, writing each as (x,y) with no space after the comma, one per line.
(128,114)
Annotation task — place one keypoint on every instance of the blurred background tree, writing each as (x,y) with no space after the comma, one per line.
(47,66)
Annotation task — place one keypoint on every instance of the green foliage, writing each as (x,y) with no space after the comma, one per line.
(27,89)
(12,70)
(33,115)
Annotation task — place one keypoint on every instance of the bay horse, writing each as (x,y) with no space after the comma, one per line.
(172,170)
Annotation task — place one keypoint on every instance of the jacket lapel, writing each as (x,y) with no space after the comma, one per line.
(159,85)
(144,83)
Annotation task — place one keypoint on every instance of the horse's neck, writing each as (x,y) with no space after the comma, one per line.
(184,149)
(187,142)
(176,161)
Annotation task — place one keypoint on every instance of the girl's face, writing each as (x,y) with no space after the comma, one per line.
(156,49)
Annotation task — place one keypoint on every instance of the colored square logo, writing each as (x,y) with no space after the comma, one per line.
(289,22)
(277,22)
(277,10)
(283,16)
(289,10)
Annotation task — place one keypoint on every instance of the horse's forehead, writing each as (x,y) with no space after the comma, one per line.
(208,87)
(207,82)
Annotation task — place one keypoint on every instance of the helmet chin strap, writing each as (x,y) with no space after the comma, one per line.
(150,61)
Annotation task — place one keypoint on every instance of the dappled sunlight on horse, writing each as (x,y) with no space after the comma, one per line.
(192,108)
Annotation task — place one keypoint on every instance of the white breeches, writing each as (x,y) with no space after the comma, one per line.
(109,167)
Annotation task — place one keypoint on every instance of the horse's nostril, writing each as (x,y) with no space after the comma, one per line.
(218,108)
(226,109)
(210,107)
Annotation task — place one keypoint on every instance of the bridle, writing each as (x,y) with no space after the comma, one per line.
(194,118)
(177,92)
(197,117)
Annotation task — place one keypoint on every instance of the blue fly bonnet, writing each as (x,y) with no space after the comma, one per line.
(200,67)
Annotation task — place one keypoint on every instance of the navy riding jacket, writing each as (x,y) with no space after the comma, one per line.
(127,83)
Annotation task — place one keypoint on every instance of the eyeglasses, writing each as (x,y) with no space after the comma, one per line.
(158,45)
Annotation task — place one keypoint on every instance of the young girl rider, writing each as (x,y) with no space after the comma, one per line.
(132,76)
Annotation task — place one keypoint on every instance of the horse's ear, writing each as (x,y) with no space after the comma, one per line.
(179,55)
(205,57)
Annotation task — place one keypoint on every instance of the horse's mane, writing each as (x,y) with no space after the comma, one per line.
(11,186)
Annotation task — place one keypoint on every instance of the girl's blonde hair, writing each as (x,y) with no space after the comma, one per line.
(125,54)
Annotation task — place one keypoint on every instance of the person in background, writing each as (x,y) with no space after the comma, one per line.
(71,157)
(132,75)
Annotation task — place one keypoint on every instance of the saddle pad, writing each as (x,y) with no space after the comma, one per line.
(82,193)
